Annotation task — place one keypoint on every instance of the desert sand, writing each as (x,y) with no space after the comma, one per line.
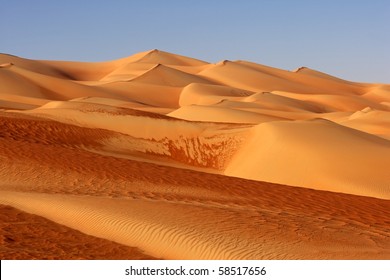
(159,155)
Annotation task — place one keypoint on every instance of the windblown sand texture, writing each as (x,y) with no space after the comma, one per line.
(158,155)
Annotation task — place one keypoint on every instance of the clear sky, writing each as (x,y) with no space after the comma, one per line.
(346,38)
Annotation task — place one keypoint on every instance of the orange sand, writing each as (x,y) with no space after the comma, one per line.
(21,238)
(184,159)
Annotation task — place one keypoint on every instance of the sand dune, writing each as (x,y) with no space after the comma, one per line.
(169,229)
(220,114)
(329,152)
(40,67)
(164,75)
(373,121)
(158,56)
(178,158)
(16,225)
(205,94)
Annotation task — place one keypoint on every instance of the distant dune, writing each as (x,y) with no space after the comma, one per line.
(178,158)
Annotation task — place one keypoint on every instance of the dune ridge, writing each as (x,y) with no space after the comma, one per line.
(185,159)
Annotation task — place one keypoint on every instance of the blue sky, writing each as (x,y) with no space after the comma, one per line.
(346,38)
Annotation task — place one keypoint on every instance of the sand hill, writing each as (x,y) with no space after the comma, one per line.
(165,156)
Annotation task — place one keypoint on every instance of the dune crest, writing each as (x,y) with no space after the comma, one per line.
(275,163)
